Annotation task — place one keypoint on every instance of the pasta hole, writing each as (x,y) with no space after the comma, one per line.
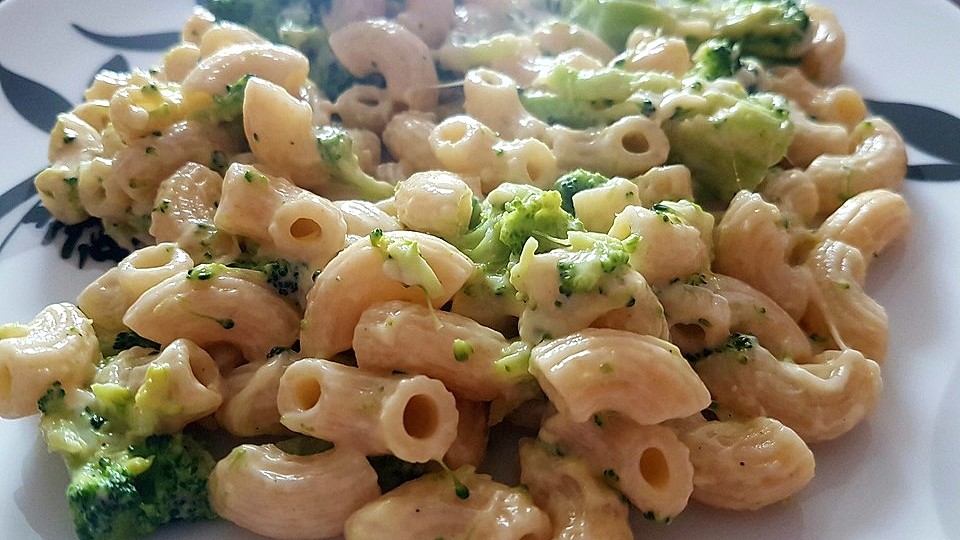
(654,468)
(635,142)
(154,257)
(305,229)
(689,337)
(533,170)
(307,394)
(491,78)
(452,132)
(226,355)
(420,417)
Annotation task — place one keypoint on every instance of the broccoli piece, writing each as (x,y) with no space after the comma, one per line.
(125,481)
(510,215)
(133,492)
(229,105)
(731,142)
(585,98)
(393,471)
(261,16)
(594,255)
(574,182)
(130,339)
(280,274)
(404,262)
(716,58)
(772,30)
(336,149)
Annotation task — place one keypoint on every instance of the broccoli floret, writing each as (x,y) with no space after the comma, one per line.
(125,481)
(130,339)
(772,30)
(510,215)
(336,149)
(261,16)
(731,142)
(592,256)
(281,274)
(586,98)
(404,262)
(574,182)
(393,471)
(716,58)
(133,492)
(228,106)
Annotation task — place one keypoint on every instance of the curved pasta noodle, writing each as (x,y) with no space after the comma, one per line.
(284,219)
(465,146)
(597,370)
(580,505)
(868,221)
(279,64)
(361,276)
(824,56)
(699,317)
(249,407)
(628,147)
(281,495)
(493,99)
(184,212)
(364,47)
(435,202)
(840,311)
(430,20)
(432,507)
(58,345)
(877,159)
(451,348)
(754,243)
(109,297)
(820,400)
(179,386)
(744,463)
(211,307)
(647,463)
(411,417)
(676,239)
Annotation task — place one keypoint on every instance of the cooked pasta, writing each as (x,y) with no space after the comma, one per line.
(363,236)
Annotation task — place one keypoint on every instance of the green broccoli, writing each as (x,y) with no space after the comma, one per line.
(393,471)
(229,105)
(730,142)
(771,30)
(281,274)
(586,98)
(592,256)
(129,339)
(405,263)
(336,149)
(124,481)
(133,492)
(574,182)
(510,215)
(716,58)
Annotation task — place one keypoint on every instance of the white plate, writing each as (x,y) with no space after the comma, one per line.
(896,476)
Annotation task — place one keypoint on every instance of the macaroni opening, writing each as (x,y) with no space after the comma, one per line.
(635,142)
(226,355)
(305,229)
(689,337)
(654,468)
(420,417)
(452,132)
(307,393)
(152,257)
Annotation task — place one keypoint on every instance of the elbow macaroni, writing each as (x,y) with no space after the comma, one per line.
(729,337)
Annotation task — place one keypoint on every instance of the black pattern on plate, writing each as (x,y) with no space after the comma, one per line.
(34,102)
(140,42)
